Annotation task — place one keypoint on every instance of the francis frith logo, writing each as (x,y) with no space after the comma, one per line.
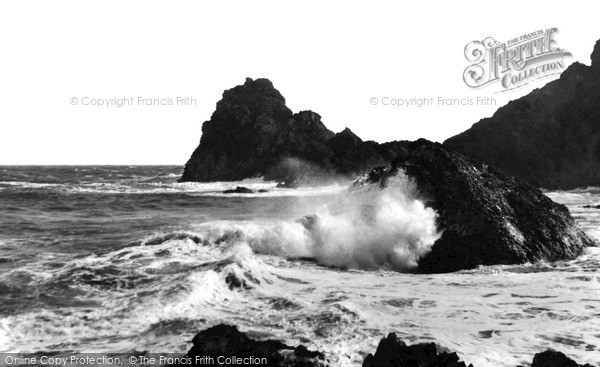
(514,63)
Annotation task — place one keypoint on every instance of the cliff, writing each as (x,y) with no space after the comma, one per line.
(550,137)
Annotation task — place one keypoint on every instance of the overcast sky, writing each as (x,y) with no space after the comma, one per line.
(329,57)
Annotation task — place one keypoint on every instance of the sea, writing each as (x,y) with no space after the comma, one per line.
(125,258)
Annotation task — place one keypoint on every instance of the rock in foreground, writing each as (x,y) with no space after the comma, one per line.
(225,345)
(393,352)
(486,217)
(551,358)
(224,341)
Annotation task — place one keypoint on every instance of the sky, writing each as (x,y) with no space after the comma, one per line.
(332,57)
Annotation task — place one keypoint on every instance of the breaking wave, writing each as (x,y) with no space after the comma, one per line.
(370,228)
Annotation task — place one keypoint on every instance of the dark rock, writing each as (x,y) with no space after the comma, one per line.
(486,217)
(595,56)
(234,282)
(550,137)
(252,133)
(263,191)
(591,206)
(227,341)
(393,352)
(239,190)
(551,358)
(351,155)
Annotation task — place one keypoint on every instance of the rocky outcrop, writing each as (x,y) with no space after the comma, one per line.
(243,190)
(552,358)
(252,133)
(551,137)
(225,345)
(239,190)
(393,352)
(591,206)
(213,347)
(486,217)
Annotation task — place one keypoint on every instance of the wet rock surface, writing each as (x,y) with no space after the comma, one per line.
(552,358)
(224,341)
(393,352)
(486,216)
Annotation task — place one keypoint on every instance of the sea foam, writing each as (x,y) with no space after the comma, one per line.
(370,228)
(375,228)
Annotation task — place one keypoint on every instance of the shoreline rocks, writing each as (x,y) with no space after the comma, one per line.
(243,190)
(486,217)
(591,206)
(212,347)
(552,358)
(393,352)
(239,190)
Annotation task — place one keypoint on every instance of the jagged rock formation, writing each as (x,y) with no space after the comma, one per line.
(252,133)
(393,352)
(551,137)
(486,217)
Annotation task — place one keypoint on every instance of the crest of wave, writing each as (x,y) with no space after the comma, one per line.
(366,228)
(375,228)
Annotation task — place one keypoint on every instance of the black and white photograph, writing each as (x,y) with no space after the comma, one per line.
(299,183)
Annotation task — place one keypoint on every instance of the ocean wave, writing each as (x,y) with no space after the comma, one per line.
(129,290)
(588,262)
(137,290)
(376,228)
(367,229)
(29,185)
